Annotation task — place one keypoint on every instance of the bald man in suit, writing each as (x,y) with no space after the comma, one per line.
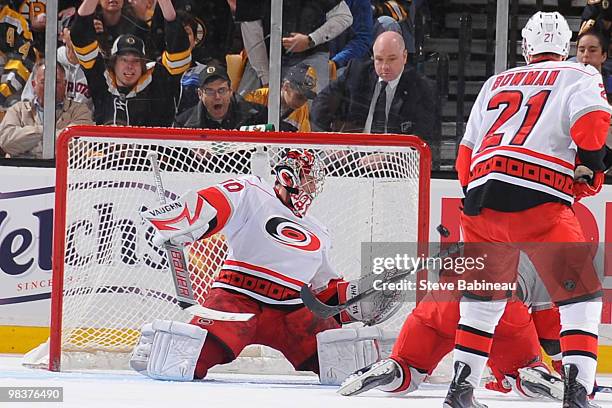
(380,96)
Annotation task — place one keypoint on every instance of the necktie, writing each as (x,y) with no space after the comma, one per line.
(379,118)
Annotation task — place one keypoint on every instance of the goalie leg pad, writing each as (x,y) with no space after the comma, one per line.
(140,355)
(341,352)
(173,352)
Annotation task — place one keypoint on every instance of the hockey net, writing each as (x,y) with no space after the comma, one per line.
(108,278)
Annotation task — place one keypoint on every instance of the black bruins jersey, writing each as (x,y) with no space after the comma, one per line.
(17,52)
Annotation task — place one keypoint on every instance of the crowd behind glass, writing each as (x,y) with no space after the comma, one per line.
(346,65)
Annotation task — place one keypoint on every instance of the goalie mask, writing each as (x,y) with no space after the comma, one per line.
(546,33)
(302,175)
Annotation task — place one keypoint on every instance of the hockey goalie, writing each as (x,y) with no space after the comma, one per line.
(274,248)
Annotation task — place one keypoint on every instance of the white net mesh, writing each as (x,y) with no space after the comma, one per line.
(115,280)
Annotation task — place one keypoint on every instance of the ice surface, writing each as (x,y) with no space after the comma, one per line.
(97,389)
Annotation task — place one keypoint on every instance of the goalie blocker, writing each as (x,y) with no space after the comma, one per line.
(183,221)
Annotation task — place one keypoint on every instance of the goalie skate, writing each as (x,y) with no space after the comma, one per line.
(380,373)
(541,383)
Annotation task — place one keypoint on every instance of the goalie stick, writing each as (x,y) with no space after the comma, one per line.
(324,310)
(178,267)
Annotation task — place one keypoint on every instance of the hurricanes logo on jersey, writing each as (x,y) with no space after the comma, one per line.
(292,234)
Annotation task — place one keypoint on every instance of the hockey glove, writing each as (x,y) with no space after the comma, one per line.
(181,222)
(499,382)
(586,182)
(372,310)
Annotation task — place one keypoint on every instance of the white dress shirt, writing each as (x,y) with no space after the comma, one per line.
(391,87)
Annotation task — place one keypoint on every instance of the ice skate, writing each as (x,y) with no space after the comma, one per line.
(461,393)
(575,395)
(380,373)
(541,383)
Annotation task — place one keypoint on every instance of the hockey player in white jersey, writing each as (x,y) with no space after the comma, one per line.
(530,131)
(274,248)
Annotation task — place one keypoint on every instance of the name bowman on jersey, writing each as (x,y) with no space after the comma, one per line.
(520,128)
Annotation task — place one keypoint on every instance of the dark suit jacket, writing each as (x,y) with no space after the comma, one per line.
(344,104)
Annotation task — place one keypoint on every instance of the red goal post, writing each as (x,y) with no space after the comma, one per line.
(108,279)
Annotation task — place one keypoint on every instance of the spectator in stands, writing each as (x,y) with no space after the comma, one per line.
(130,91)
(34,12)
(592,49)
(76,82)
(16,45)
(214,33)
(355,42)
(141,9)
(190,80)
(256,72)
(386,23)
(220,108)
(299,85)
(308,26)
(380,96)
(404,13)
(21,129)
(111,20)
(597,15)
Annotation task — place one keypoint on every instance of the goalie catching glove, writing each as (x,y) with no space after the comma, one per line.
(371,310)
(183,221)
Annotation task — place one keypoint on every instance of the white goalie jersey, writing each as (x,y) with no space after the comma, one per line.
(271,252)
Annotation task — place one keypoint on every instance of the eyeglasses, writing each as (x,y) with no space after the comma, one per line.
(213,92)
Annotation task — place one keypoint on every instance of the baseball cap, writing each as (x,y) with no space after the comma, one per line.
(128,43)
(211,72)
(303,78)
